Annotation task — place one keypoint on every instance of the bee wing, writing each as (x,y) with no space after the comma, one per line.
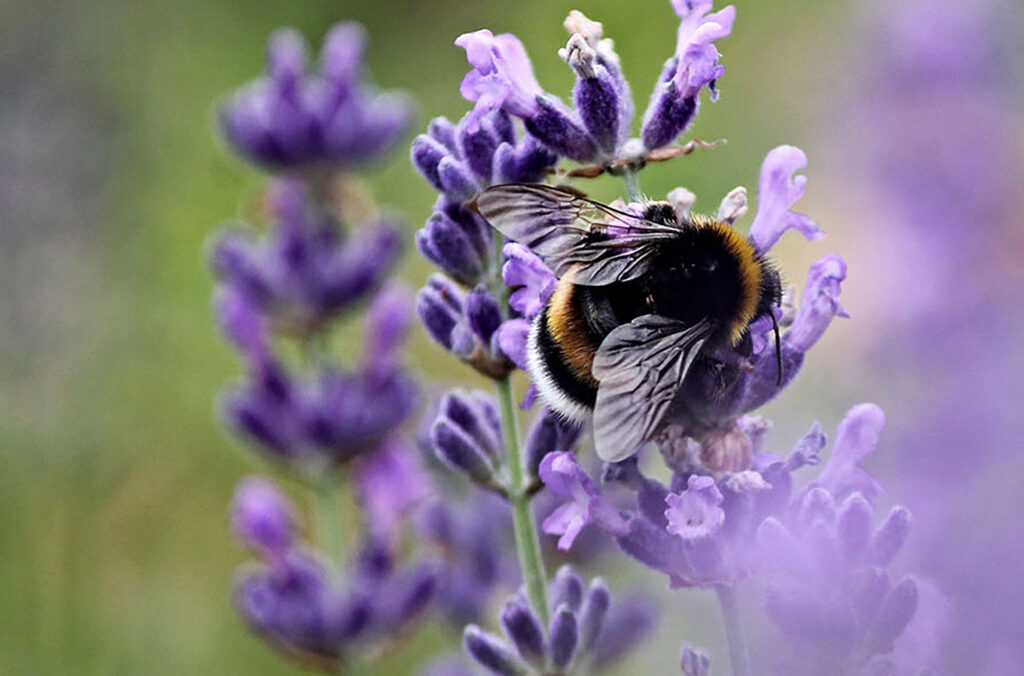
(602,245)
(640,367)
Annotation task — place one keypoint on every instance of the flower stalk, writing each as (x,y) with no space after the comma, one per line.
(632,178)
(330,529)
(527,540)
(734,635)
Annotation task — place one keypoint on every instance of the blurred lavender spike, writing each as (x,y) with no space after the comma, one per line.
(295,121)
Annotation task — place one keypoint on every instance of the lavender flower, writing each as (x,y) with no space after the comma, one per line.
(473,553)
(460,160)
(597,131)
(295,601)
(465,324)
(295,121)
(673,105)
(587,634)
(566,479)
(304,274)
(313,423)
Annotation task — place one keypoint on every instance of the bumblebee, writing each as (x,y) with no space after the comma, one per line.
(640,300)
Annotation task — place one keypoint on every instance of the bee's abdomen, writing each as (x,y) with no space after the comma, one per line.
(562,348)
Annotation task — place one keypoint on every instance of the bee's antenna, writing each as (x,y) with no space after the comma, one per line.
(778,344)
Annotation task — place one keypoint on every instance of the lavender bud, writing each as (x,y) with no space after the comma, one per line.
(548,434)
(478,147)
(492,652)
(439,306)
(564,636)
(483,314)
(461,452)
(442,130)
(854,525)
(262,517)
(560,129)
(446,244)
(893,616)
(890,536)
(596,94)
(566,589)
(592,615)
(456,182)
(476,415)
(426,154)
(524,629)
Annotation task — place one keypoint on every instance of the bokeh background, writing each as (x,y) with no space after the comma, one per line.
(115,555)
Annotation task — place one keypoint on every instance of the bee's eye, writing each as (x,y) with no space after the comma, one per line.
(710,265)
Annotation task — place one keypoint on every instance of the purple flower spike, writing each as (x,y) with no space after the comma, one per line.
(292,120)
(778,190)
(262,517)
(533,282)
(694,65)
(856,439)
(696,513)
(502,76)
(566,479)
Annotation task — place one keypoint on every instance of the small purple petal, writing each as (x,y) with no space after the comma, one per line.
(533,281)
(856,439)
(778,190)
(695,513)
(502,76)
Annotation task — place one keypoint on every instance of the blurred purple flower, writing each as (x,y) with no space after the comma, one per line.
(304,274)
(292,120)
(474,554)
(296,602)
(391,483)
(318,422)
(262,517)
(466,435)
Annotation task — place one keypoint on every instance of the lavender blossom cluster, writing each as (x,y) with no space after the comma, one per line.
(280,295)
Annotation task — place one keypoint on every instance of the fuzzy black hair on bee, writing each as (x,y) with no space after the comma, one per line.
(639,300)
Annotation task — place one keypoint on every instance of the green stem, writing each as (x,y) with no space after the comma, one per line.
(527,542)
(733,629)
(632,178)
(330,531)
